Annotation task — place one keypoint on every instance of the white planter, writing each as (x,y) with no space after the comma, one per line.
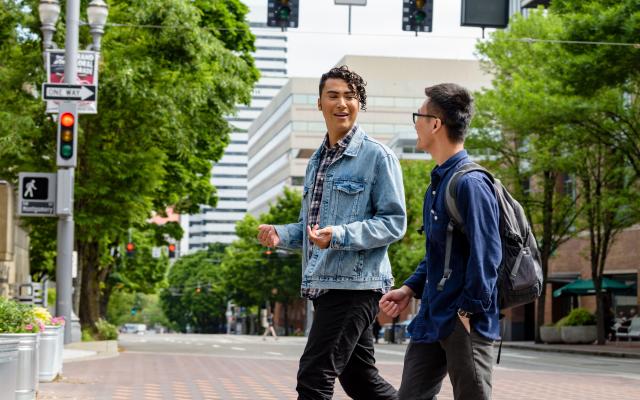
(8,368)
(27,368)
(550,334)
(579,334)
(60,350)
(48,354)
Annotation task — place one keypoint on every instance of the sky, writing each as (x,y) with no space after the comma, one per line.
(322,39)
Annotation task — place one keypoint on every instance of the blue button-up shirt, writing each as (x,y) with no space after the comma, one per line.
(475,257)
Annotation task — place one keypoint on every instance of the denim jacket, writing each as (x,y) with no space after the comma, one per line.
(363,200)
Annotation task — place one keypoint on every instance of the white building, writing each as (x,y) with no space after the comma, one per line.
(229,175)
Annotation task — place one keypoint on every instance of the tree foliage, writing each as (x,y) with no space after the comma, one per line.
(170,71)
(197,293)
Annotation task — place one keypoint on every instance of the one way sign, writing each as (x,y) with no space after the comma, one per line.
(60,91)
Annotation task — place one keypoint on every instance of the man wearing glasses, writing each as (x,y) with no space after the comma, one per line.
(459,316)
(352,210)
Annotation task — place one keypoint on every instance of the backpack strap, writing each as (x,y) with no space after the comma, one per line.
(455,219)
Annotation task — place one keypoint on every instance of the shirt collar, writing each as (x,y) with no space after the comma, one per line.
(344,142)
(441,170)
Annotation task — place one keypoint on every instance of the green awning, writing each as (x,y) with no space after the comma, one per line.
(585,286)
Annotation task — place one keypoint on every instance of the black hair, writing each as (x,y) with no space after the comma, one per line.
(355,82)
(453,104)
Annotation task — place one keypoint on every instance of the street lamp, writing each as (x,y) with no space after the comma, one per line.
(97,12)
(49,10)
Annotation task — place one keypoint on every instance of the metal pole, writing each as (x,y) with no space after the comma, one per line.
(65,222)
(349,19)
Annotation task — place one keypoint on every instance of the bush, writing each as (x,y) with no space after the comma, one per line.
(17,318)
(87,336)
(578,317)
(106,331)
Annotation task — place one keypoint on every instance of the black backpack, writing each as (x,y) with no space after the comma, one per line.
(519,273)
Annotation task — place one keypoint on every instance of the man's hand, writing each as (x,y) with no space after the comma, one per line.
(320,237)
(395,301)
(466,323)
(268,236)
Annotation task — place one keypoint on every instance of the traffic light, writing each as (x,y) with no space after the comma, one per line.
(172,250)
(67,134)
(131,249)
(417,15)
(283,13)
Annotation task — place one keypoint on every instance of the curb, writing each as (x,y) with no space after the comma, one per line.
(594,352)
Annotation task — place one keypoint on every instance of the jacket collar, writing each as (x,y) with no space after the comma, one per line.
(351,150)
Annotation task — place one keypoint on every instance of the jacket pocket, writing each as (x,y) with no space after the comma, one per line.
(347,198)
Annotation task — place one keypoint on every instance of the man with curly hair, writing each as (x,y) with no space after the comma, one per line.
(352,209)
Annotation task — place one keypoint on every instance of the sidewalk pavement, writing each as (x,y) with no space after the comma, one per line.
(83,351)
(610,349)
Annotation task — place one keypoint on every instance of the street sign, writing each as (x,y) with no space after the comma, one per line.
(63,91)
(37,196)
(87,67)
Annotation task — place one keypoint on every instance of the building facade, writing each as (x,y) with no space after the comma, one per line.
(229,175)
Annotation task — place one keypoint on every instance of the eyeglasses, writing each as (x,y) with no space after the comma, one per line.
(416,115)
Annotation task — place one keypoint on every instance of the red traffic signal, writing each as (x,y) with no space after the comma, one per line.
(67,135)
(131,249)
(172,250)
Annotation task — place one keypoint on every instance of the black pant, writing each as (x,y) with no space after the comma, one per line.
(340,345)
(467,357)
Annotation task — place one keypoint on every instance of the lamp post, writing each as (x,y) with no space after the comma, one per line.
(49,11)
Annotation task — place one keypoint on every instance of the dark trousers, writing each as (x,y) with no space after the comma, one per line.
(467,357)
(340,345)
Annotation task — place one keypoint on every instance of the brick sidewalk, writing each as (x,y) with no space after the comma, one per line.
(137,376)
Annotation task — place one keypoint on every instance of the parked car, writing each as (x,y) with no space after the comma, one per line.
(402,332)
(139,329)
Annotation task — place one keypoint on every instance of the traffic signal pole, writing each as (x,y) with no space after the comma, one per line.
(64,257)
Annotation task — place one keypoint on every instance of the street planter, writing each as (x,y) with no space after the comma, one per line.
(60,350)
(48,353)
(8,368)
(27,368)
(550,334)
(584,334)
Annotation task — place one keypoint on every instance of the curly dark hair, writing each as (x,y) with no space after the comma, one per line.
(355,82)
(454,105)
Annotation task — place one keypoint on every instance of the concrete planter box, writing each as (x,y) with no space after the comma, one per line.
(8,368)
(49,353)
(27,368)
(550,334)
(579,334)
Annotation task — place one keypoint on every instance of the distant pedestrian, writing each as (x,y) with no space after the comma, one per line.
(376,329)
(269,327)
(352,209)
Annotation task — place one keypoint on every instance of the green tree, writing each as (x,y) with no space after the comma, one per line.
(530,149)
(197,292)
(257,275)
(169,73)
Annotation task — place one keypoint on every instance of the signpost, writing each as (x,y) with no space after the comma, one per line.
(86,75)
(37,194)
